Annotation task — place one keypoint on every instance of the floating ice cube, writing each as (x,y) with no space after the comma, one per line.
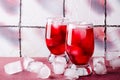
(27,61)
(44,72)
(51,58)
(115,63)
(61,59)
(35,66)
(13,67)
(58,68)
(71,74)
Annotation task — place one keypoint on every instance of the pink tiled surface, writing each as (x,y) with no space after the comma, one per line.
(25,75)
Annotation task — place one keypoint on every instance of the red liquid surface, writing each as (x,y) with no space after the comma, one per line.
(82,45)
(56,40)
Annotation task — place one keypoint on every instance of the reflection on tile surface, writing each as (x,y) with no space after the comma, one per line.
(33,42)
(9,41)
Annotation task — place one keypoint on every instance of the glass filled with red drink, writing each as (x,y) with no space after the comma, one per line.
(55,35)
(80,43)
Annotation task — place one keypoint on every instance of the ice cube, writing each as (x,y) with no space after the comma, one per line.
(44,72)
(71,74)
(61,59)
(27,61)
(51,58)
(13,67)
(35,66)
(100,68)
(58,68)
(115,63)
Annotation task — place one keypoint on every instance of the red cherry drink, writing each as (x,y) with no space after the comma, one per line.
(55,38)
(80,43)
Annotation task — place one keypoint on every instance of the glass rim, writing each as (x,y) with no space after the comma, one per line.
(57,18)
(73,25)
(80,23)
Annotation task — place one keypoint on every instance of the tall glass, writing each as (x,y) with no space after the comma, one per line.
(55,35)
(80,43)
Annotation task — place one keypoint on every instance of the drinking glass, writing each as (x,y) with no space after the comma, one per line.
(80,43)
(55,35)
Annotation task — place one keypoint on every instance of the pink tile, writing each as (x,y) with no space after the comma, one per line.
(9,12)
(85,10)
(9,41)
(113,39)
(113,17)
(35,12)
(33,42)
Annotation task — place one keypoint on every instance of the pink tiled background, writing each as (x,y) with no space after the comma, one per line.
(22,24)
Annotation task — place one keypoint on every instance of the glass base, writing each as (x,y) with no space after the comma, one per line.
(51,57)
(84,70)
